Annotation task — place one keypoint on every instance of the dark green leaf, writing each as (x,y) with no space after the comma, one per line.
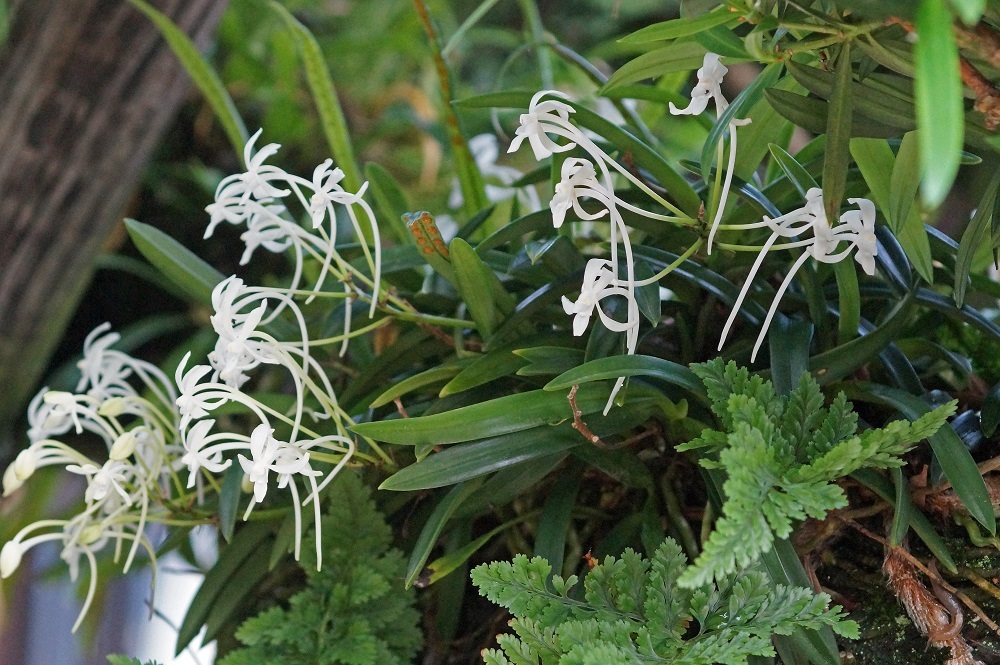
(838,135)
(434,526)
(789,341)
(229,500)
(973,238)
(177,263)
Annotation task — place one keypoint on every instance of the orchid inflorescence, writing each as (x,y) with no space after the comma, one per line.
(156,429)
(548,129)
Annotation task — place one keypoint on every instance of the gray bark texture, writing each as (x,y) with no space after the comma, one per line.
(89,87)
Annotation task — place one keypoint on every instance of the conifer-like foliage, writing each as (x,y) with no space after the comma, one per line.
(352,612)
(633,611)
(780,455)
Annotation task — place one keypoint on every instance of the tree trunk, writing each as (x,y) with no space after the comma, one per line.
(89,87)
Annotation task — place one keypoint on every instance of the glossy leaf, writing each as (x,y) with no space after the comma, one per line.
(789,342)
(550,360)
(434,526)
(503,415)
(974,237)
(471,460)
(324,95)
(636,365)
(679,27)
(794,171)
(244,544)
(677,57)
(556,519)
(938,93)
(848,300)
(202,74)
(904,182)
(229,500)
(415,382)
(812,115)
(838,135)
(480,288)
(921,525)
(177,263)
(951,453)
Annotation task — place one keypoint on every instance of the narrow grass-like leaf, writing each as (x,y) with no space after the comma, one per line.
(904,507)
(789,342)
(415,382)
(434,526)
(447,564)
(229,500)
(848,300)
(904,182)
(467,24)
(480,288)
(556,519)
(177,263)
(921,525)
(678,57)
(811,115)
(955,459)
(679,27)
(202,74)
(838,135)
(794,171)
(637,365)
(325,97)
(511,413)
(493,365)
(550,360)
(391,201)
(244,544)
(938,93)
(240,586)
(973,238)
(471,460)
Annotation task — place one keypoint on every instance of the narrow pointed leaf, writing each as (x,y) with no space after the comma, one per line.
(973,238)
(904,183)
(938,93)
(202,74)
(638,365)
(434,526)
(177,263)
(680,27)
(838,135)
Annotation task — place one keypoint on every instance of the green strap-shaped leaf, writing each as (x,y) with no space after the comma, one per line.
(415,382)
(177,263)
(812,115)
(838,135)
(904,183)
(848,300)
(391,202)
(938,94)
(202,74)
(921,525)
(325,96)
(679,27)
(679,57)
(973,238)
(488,302)
(794,171)
(503,415)
(557,513)
(789,342)
(875,160)
(244,544)
(471,460)
(229,500)
(955,459)
(434,526)
(638,365)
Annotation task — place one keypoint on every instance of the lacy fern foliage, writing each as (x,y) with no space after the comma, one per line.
(352,612)
(780,455)
(632,611)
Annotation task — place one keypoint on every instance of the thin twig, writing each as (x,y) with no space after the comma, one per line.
(399,407)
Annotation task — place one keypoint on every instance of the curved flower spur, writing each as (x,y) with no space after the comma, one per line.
(856,228)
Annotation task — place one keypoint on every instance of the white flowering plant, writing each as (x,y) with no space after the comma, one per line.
(566,353)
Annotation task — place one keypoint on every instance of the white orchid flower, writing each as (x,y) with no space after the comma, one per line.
(579,179)
(543,116)
(856,227)
(269,454)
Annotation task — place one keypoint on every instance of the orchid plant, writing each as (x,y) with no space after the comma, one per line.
(466,360)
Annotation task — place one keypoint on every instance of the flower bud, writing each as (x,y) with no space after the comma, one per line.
(91,535)
(25,463)
(112,407)
(11,483)
(10,558)
(247,485)
(123,447)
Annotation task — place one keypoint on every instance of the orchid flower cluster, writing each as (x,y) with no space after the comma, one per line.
(548,129)
(139,428)
(158,430)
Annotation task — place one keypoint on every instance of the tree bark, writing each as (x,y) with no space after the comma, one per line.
(89,87)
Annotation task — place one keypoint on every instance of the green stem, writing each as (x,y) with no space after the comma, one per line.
(680,259)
